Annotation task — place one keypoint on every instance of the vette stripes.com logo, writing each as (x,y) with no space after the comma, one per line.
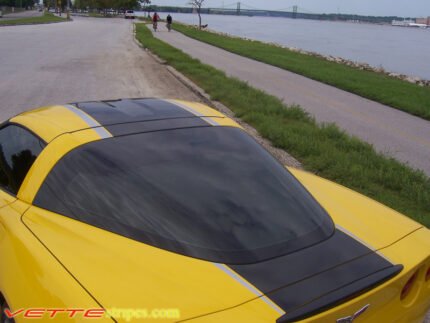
(127,314)
(38,313)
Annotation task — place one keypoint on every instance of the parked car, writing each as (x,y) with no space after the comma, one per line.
(129,14)
(166,206)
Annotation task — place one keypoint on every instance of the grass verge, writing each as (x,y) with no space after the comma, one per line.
(322,149)
(396,93)
(7,10)
(95,15)
(45,19)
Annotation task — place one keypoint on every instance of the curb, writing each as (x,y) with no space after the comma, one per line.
(155,57)
(281,155)
(196,89)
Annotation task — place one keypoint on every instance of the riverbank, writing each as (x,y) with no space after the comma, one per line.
(47,18)
(322,149)
(392,132)
(400,94)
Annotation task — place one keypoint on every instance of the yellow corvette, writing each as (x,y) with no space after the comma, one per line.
(152,210)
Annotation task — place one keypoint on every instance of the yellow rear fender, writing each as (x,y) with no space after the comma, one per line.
(368,221)
(31,277)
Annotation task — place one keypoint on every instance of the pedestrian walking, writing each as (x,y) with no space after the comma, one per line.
(169,22)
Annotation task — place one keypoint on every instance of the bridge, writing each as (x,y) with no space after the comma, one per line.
(294,11)
(239,8)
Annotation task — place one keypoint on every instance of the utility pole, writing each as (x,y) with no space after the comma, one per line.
(68,9)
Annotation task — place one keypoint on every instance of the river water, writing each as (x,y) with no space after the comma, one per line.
(396,49)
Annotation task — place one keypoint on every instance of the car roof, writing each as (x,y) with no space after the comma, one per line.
(119,117)
(66,127)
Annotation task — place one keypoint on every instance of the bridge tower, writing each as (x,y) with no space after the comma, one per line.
(295,9)
(238,9)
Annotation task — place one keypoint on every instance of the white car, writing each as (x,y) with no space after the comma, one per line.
(129,14)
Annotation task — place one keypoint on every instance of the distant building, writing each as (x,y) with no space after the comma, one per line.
(417,23)
(425,21)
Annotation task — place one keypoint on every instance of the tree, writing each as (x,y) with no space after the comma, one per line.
(17,3)
(197,4)
(144,4)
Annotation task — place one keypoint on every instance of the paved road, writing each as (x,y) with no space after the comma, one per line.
(86,59)
(391,131)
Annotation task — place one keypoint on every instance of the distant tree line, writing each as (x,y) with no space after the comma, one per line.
(268,13)
(109,4)
(17,3)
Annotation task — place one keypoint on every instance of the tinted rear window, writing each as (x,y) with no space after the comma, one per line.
(208,192)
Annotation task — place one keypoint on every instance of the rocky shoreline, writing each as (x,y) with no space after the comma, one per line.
(339,60)
(363,66)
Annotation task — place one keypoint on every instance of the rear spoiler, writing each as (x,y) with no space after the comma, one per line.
(340,295)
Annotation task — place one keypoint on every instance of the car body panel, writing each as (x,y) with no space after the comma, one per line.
(190,276)
(52,121)
(357,214)
(385,304)
(32,277)
(203,110)
(6,198)
(49,157)
(193,286)
(384,300)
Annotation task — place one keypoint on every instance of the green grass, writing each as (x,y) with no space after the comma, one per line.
(396,93)
(95,15)
(7,10)
(46,18)
(145,19)
(322,149)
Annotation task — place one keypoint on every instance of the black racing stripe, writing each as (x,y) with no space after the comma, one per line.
(340,295)
(283,271)
(309,275)
(156,125)
(126,111)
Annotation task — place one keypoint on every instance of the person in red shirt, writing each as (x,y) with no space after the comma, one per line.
(155,19)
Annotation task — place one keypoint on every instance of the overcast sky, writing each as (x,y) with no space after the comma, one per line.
(413,8)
